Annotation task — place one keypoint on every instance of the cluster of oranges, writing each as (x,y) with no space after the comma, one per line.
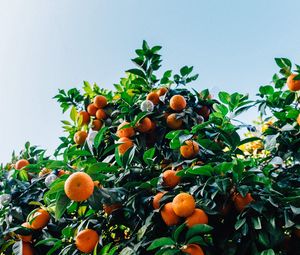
(37,220)
(97,112)
(182,206)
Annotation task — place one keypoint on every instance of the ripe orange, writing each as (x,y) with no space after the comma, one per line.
(98,184)
(144,125)
(100,101)
(39,219)
(184,205)
(193,249)
(86,240)
(80,137)
(198,217)
(168,215)
(26,238)
(153,97)
(298,119)
(173,122)
(293,85)
(160,92)
(177,103)
(125,132)
(241,202)
(21,163)
(204,112)
(79,186)
(27,249)
(85,117)
(189,150)
(108,209)
(101,114)
(96,125)
(125,144)
(92,109)
(156,200)
(170,178)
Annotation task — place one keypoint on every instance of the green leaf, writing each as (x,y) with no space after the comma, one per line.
(73,114)
(99,137)
(268,252)
(163,241)
(62,202)
(224,97)
(198,229)
(148,156)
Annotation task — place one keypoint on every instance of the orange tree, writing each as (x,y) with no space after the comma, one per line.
(156,168)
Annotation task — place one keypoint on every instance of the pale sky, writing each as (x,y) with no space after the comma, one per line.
(51,44)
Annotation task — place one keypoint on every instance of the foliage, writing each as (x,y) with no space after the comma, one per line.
(264,164)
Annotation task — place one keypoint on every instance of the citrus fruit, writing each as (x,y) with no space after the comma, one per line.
(80,137)
(100,101)
(241,202)
(293,85)
(86,240)
(79,186)
(92,109)
(184,205)
(27,249)
(125,132)
(161,91)
(189,150)
(198,217)
(173,122)
(125,144)
(96,125)
(177,103)
(193,249)
(153,97)
(170,178)
(144,125)
(85,117)
(39,219)
(101,114)
(108,209)
(21,163)
(156,200)
(168,215)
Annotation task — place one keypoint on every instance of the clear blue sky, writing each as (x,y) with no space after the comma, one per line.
(51,44)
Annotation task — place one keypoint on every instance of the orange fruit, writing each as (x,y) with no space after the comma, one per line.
(298,119)
(184,205)
(101,114)
(86,240)
(85,117)
(144,125)
(100,101)
(39,219)
(80,137)
(170,178)
(156,200)
(44,171)
(108,209)
(204,111)
(26,238)
(189,150)
(125,144)
(173,122)
(92,109)
(153,97)
(241,202)
(168,215)
(193,249)
(177,103)
(293,85)
(96,125)
(27,249)
(125,132)
(21,163)
(98,184)
(79,186)
(198,217)
(160,92)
